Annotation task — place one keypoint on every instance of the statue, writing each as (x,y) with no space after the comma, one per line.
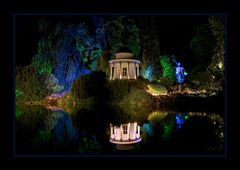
(180,74)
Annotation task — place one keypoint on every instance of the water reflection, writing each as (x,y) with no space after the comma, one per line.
(86,131)
(180,120)
(44,131)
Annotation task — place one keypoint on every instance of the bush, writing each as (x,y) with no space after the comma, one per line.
(92,85)
(166,82)
(118,89)
(28,81)
(201,80)
(157,88)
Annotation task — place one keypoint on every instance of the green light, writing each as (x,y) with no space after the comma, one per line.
(43,136)
(167,67)
(19,113)
(18,93)
(186,117)
(168,129)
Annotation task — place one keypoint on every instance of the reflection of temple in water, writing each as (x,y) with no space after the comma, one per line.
(125,135)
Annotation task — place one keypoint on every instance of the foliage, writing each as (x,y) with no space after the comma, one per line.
(18,93)
(87,46)
(90,85)
(18,113)
(28,81)
(208,46)
(89,145)
(120,31)
(167,67)
(167,83)
(70,62)
(200,79)
(157,115)
(44,59)
(150,50)
(130,36)
(52,84)
(148,72)
(157,88)
(168,130)
(137,97)
(43,137)
(202,45)
(103,63)
(68,50)
(118,89)
(216,68)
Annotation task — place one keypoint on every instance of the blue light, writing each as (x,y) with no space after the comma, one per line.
(147,127)
(148,73)
(180,73)
(180,120)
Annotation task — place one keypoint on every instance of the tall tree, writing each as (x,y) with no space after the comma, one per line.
(167,67)
(113,32)
(216,68)
(150,47)
(202,45)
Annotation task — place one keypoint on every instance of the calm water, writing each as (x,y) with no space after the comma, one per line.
(86,131)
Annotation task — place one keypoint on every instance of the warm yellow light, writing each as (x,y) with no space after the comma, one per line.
(220,65)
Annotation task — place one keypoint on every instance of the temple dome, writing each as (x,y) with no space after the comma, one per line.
(124,52)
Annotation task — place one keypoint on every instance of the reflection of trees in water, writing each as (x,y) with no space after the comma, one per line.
(41,130)
(199,133)
(87,131)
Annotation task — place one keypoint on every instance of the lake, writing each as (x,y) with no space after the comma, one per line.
(53,131)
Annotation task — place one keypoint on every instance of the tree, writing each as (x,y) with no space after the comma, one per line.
(216,68)
(103,63)
(29,83)
(202,45)
(119,31)
(167,67)
(150,51)
(91,85)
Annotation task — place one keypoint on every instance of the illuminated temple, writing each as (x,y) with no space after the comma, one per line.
(124,66)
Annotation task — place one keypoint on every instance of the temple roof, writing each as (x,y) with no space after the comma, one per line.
(124,53)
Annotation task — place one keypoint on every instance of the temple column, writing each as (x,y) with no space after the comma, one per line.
(110,71)
(137,70)
(120,70)
(128,71)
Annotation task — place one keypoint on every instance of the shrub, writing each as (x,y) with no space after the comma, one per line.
(157,88)
(167,83)
(118,89)
(201,80)
(90,85)
(28,81)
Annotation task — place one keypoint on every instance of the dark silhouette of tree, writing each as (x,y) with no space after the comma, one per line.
(202,45)
(150,46)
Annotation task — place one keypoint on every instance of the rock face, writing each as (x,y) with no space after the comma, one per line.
(68,69)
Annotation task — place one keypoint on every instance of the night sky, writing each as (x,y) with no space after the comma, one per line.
(175,34)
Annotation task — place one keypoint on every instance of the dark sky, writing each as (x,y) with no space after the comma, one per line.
(175,33)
